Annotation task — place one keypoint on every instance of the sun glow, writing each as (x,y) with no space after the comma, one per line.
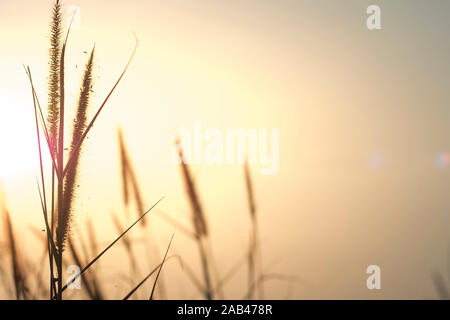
(17,138)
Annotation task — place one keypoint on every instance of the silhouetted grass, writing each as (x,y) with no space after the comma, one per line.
(65,173)
(19,275)
(198,221)
(57,198)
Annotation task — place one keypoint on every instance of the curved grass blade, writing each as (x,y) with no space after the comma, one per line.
(91,124)
(159,271)
(112,243)
(42,120)
(146,278)
(60,159)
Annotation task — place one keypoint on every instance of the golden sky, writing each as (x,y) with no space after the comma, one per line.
(362,116)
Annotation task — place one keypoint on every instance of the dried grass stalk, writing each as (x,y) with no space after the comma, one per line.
(54,73)
(198,220)
(79,126)
(21,289)
(441,287)
(124,168)
(129,178)
(254,255)
(86,278)
(198,217)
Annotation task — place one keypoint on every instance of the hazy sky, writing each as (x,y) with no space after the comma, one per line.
(363,118)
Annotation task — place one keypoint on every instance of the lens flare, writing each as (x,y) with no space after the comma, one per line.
(443,160)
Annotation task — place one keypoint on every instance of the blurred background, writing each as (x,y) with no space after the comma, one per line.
(363,118)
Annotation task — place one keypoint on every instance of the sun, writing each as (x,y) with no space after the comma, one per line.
(18,143)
